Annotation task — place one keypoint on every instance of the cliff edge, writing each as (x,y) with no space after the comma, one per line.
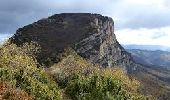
(90,35)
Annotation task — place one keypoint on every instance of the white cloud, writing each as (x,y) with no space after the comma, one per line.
(136,21)
(144,36)
(146,2)
(4,37)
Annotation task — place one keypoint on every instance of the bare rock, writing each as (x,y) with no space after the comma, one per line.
(90,35)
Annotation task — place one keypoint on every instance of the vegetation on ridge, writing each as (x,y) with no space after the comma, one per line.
(71,78)
(19,68)
(82,80)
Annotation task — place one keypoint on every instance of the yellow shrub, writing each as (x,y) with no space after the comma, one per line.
(73,64)
(19,67)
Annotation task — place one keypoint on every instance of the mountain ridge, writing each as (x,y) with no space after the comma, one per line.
(156,58)
(91,36)
(147,47)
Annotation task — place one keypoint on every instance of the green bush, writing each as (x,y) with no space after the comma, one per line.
(97,87)
(84,81)
(20,69)
(78,79)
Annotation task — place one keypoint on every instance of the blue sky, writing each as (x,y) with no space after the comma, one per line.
(136,21)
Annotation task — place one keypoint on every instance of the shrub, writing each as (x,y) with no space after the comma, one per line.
(98,87)
(85,81)
(7,92)
(79,79)
(95,87)
(19,67)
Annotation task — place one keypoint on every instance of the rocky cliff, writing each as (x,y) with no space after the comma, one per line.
(90,35)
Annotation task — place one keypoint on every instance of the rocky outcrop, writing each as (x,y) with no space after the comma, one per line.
(90,35)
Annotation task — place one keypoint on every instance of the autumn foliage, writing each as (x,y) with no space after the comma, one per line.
(23,78)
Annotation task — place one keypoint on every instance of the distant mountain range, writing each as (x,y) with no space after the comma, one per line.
(147,47)
(154,58)
(152,55)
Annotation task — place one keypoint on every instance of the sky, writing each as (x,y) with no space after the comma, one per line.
(145,22)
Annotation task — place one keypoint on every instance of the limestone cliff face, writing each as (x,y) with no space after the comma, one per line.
(90,35)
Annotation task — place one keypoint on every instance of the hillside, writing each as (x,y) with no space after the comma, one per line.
(73,78)
(76,56)
(157,62)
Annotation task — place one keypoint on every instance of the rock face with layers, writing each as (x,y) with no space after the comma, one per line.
(90,35)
